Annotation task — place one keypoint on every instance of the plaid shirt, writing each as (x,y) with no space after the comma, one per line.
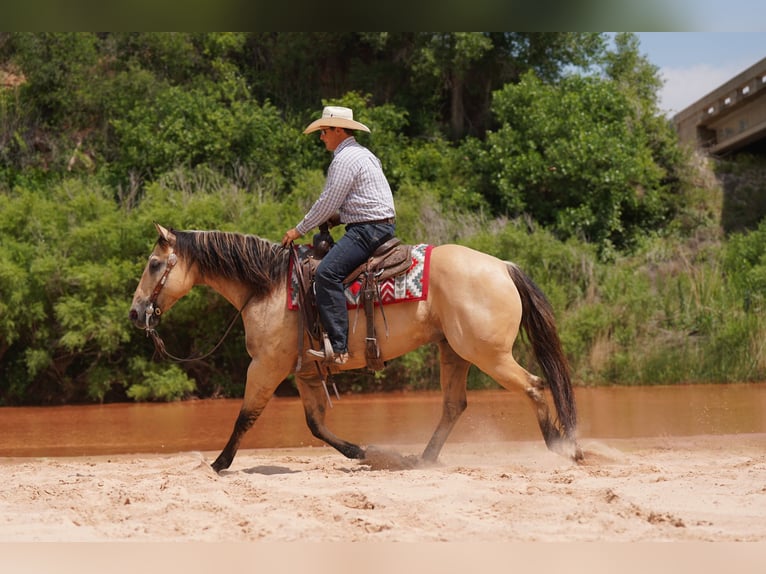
(356,188)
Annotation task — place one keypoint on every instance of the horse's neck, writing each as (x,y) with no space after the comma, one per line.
(235,285)
(234,292)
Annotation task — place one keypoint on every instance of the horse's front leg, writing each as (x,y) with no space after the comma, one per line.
(315,405)
(258,392)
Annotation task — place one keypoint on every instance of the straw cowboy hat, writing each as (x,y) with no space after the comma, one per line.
(336,116)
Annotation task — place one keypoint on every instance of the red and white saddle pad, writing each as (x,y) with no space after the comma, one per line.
(410,286)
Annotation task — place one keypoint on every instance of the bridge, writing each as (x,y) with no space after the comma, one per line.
(729,118)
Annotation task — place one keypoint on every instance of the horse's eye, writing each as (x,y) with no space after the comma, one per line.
(154,265)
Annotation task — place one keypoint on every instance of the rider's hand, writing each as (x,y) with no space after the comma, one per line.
(290,236)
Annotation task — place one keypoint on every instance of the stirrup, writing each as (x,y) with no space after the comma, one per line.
(318,355)
(336,358)
(325,354)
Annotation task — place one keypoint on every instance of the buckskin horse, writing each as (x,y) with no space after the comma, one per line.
(474,308)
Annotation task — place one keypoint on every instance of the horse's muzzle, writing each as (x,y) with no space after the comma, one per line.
(144,316)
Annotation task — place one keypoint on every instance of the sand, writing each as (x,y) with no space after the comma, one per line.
(702,488)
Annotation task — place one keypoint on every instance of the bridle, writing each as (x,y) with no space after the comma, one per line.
(152,308)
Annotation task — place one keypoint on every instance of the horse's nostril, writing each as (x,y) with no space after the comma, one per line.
(133,314)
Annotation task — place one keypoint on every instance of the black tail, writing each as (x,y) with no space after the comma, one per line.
(539,324)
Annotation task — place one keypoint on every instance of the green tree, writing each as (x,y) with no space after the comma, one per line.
(54,105)
(57,68)
(444,80)
(573,156)
(448,56)
(457,72)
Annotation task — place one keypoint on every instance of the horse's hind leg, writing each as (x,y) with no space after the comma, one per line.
(453,373)
(510,374)
(534,388)
(314,405)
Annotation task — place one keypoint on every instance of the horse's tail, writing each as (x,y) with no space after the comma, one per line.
(538,322)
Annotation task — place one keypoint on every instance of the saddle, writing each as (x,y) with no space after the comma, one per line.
(392,258)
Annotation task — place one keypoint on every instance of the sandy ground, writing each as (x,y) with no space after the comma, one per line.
(704,488)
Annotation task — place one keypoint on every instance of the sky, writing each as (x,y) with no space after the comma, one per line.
(692,64)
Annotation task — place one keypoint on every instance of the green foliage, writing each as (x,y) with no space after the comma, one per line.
(183,127)
(159,383)
(745,267)
(69,249)
(571,155)
(57,67)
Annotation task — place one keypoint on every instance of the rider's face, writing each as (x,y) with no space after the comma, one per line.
(332,137)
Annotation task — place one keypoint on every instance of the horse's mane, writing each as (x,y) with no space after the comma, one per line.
(247,258)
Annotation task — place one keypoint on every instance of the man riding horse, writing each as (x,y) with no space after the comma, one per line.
(472,322)
(357,194)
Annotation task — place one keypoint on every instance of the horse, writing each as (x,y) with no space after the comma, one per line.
(473,311)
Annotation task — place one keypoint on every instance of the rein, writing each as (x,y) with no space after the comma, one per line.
(159,344)
(152,309)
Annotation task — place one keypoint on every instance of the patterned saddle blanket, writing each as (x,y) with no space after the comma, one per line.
(410,286)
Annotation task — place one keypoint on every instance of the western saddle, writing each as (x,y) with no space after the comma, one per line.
(392,258)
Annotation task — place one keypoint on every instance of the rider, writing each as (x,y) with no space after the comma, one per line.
(356,192)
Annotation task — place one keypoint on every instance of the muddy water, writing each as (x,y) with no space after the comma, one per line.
(617,412)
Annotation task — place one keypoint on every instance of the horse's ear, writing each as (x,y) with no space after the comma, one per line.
(165,234)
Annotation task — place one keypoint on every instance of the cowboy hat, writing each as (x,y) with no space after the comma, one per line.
(336,116)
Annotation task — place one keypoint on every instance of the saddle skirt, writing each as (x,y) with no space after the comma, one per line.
(411,285)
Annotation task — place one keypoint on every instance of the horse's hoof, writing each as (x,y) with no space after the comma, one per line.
(565,447)
(220,464)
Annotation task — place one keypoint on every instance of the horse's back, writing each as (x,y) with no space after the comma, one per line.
(457,266)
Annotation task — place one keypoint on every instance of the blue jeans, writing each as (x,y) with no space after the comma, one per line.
(351,250)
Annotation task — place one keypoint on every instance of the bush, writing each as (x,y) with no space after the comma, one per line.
(68,312)
(573,156)
(159,382)
(745,265)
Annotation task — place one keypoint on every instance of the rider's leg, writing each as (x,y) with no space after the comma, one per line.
(351,250)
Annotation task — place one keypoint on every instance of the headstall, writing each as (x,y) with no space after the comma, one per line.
(151,309)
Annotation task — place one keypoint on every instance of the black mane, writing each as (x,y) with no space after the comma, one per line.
(257,262)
